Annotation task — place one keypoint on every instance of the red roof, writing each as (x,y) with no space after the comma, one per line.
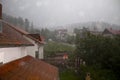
(112,31)
(37,38)
(16,28)
(32,36)
(28,68)
(10,36)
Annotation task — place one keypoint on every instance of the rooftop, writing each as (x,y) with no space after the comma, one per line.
(112,31)
(10,37)
(37,38)
(28,68)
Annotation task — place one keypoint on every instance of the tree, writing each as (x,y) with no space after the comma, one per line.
(103,52)
(27,24)
(32,28)
(20,22)
(70,39)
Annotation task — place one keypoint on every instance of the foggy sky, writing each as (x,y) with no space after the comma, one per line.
(62,12)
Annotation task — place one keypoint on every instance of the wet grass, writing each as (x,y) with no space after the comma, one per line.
(69,75)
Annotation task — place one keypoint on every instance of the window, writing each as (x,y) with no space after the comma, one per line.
(0,26)
(37,54)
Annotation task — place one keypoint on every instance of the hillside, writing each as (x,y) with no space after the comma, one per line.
(100,26)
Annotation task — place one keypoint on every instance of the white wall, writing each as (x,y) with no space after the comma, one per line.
(32,49)
(41,55)
(9,54)
(1,56)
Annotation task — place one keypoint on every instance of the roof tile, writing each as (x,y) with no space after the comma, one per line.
(12,37)
(28,68)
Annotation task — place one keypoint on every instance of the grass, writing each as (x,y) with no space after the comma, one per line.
(69,75)
(96,74)
(53,47)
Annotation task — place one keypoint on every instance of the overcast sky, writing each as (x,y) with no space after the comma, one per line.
(61,12)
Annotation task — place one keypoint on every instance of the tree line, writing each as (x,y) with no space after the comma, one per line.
(28,26)
(20,22)
(100,52)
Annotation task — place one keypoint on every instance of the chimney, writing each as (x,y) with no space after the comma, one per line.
(0,11)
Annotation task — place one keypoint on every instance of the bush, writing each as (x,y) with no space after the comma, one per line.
(97,74)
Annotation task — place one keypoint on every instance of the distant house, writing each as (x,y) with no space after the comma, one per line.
(28,68)
(16,43)
(58,58)
(96,32)
(110,32)
(61,34)
(61,56)
(82,32)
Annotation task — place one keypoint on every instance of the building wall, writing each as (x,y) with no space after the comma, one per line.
(108,35)
(1,56)
(10,54)
(41,54)
(32,49)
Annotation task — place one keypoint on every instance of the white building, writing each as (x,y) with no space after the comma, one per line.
(37,49)
(12,44)
(16,43)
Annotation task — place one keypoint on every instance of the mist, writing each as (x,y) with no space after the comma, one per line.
(44,13)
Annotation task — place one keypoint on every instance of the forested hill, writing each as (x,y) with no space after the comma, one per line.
(100,26)
(20,22)
(29,26)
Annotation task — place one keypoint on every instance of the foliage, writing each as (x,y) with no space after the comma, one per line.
(48,34)
(70,39)
(20,22)
(69,75)
(97,74)
(53,47)
(100,51)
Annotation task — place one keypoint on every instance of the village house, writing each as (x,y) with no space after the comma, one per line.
(22,42)
(58,58)
(110,32)
(36,50)
(61,34)
(16,50)
(12,43)
(19,42)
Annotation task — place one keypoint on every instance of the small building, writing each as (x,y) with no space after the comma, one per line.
(58,58)
(16,43)
(15,60)
(37,49)
(28,68)
(110,32)
(12,44)
(61,34)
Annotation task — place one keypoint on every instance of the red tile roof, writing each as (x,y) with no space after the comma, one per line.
(112,31)
(16,28)
(32,36)
(38,38)
(28,68)
(11,37)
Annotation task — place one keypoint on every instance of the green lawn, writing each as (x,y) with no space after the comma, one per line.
(53,47)
(69,75)
(98,74)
